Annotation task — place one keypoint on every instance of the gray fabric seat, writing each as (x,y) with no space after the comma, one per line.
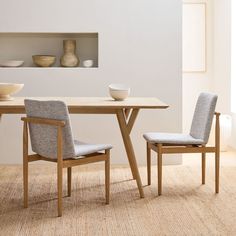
(172,138)
(200,128)
(82,148)
(44,137)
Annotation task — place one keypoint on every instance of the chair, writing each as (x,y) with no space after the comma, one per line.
(195,142)
(52,140)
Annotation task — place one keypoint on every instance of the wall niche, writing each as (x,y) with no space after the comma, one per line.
(21,46)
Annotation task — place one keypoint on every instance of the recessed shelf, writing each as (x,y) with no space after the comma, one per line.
(48,68)
(21,46)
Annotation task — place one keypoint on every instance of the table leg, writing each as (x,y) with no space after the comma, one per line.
(125,128)
(127,112)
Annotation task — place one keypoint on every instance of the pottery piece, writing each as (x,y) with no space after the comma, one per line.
(119,91)
(88,63)
(69,59)
(44,60)
(7,89)
(11,63)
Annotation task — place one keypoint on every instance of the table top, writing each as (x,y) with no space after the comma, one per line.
(76,104)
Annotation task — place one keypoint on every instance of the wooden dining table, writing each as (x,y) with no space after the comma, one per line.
(126,112)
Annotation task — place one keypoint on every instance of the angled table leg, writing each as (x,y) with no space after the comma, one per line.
(125,128)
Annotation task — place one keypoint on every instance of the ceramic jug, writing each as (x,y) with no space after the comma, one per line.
(69,59)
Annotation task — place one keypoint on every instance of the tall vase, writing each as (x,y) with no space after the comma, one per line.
(69,59)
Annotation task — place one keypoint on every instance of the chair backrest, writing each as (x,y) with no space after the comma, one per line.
(44,137)
(203,116)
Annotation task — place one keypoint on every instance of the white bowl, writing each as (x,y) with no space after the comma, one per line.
(88,63)
(119,91)
(7,89)
(120,87)
(11,63)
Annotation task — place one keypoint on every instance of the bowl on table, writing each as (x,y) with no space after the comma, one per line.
(7,89)
(44,60)
(119,92)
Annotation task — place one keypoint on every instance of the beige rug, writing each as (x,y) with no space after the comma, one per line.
(185,208)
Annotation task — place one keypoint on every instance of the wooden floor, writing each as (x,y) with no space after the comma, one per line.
(185,208)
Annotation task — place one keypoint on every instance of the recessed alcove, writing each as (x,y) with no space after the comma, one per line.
(21,46)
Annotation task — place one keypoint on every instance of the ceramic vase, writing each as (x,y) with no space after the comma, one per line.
(69,59)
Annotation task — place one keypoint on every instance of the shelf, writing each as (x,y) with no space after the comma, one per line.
(21,46)
(48,68)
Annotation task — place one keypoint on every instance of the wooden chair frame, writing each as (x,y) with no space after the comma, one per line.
(67,163)
(174,148)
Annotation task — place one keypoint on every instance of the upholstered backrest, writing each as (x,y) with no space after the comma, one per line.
(203,116)
(44,137)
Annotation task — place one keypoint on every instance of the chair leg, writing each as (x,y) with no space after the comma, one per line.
(217,153)
(69,174)
(25,164)
(217,170)
(159,168)
(59,188)
(107,177)
(25,181)
(148,165)
(203,168)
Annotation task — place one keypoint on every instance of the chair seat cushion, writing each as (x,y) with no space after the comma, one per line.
(171,138)
(82,148)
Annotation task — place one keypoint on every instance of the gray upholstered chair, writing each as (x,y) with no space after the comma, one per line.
(52,140)
(194,142)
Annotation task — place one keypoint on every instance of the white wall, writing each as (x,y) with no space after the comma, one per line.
(222,60)
(222,53)
(139,44)
(217,78)
(195,83)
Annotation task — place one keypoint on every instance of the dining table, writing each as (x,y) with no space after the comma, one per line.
(126,112)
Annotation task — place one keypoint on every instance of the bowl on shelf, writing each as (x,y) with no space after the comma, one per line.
(7,89)
(88,63)
(119,91)
(11,63)
(44,60)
